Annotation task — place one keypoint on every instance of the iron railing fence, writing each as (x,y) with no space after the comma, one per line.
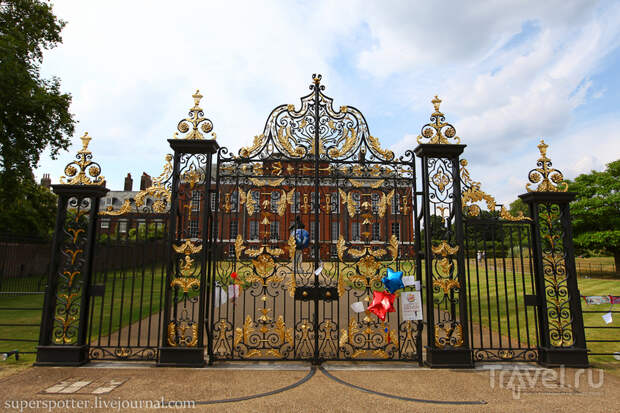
(24,262)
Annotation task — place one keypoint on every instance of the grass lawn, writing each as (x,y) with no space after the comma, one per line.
(496,310)
(597,286)
(129,297)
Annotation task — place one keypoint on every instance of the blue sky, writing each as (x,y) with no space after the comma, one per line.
(509,73)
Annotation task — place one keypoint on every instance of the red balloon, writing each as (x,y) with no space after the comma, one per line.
(382,303)
(233,275)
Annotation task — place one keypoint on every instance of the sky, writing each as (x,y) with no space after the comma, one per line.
(509,73)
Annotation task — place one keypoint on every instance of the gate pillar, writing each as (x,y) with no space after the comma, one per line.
(558,298)
(189,242)
(444,258)
(62,338)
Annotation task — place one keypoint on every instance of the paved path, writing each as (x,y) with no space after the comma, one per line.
(318,394)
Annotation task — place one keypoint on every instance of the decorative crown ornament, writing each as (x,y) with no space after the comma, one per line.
(86,166)
(551,180)
(197,120)
(438,131)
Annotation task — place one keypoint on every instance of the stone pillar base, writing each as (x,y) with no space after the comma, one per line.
(449,359)
(181,357)
(567,357)
(62,355)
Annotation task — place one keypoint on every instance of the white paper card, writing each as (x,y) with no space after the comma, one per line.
(233,291)
(417,285)
(411,305)
(358,307)
(408,280)
(607,317)
(220,296)
(319,270)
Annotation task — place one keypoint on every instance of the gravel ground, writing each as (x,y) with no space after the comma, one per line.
(534,389)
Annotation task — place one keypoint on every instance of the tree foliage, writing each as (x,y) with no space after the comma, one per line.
(596,211)
(32,212)
(34,114)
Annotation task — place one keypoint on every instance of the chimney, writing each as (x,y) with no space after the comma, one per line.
(145,181)
(128,183)
(46,181)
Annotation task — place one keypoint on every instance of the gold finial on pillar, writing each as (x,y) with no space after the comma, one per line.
(85,141)
(547,178)
(197,97)
(76,172)
(438,131)
(436,102)
(199,124)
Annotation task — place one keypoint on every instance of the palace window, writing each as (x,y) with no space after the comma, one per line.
(335,230)
(274,229)
(105,223)
(376,231)
(296,203)
(335,204)
(234,229)
(275,200)
(193,228)
(375,203)
(356,199)
(122,227)
(256,200)
(395,204)
(253,230)
(355,231)
(312,231)
(396,230)
(195,201)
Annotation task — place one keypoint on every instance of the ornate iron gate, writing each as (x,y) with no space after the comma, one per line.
(205,262)
(317,168)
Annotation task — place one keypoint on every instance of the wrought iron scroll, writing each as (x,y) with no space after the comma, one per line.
(342,133)
(556,289)
(70,272)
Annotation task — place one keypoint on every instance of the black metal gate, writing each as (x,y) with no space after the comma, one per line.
(316,168)
(206,263)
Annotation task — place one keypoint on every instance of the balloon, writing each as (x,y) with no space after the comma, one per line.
(302,239)
(393,281)
(382,303)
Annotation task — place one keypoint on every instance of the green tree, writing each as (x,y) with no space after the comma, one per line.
(519,206)
(596,211)
(34,114)
(31,212)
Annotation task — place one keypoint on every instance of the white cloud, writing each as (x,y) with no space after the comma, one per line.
(132,67)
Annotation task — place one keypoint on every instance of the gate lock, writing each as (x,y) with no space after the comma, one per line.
(318,293)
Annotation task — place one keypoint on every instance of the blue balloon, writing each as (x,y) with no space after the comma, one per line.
(393,281)
(302,239)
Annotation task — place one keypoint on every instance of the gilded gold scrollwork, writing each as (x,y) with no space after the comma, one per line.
(448,333)
(197,121)
(246,152)
(472,193)
(548,179)
(376,146)
(86,166)
(438,132)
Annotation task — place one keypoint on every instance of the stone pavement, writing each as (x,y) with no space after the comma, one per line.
(380,387)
